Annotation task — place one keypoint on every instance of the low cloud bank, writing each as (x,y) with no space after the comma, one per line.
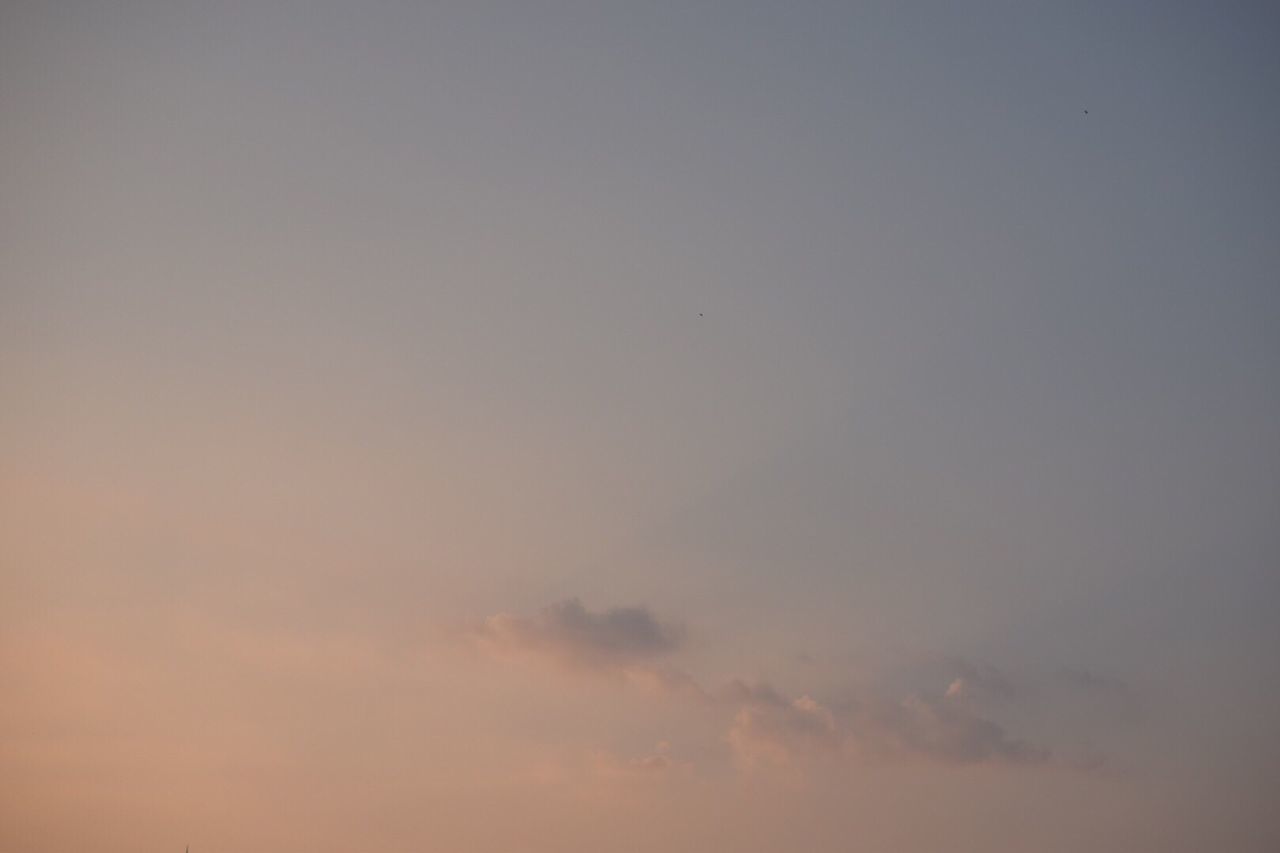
(765,726)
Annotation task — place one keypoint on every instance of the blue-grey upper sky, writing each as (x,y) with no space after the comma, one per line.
(912,369)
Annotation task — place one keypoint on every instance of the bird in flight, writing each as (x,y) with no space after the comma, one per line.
(1086,112)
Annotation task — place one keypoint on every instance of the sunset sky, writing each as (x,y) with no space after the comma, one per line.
(579,427)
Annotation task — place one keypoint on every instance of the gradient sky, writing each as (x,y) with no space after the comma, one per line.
(540,426)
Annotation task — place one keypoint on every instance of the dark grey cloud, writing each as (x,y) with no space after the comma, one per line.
(569,633)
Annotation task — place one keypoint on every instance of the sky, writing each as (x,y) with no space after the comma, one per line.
(677,426)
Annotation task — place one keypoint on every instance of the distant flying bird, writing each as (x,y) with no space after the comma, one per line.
(1086,112)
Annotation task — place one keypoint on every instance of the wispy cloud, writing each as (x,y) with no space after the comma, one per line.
(770,728)
(654,764)
(981,681)
(1092,682)
(568,633)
